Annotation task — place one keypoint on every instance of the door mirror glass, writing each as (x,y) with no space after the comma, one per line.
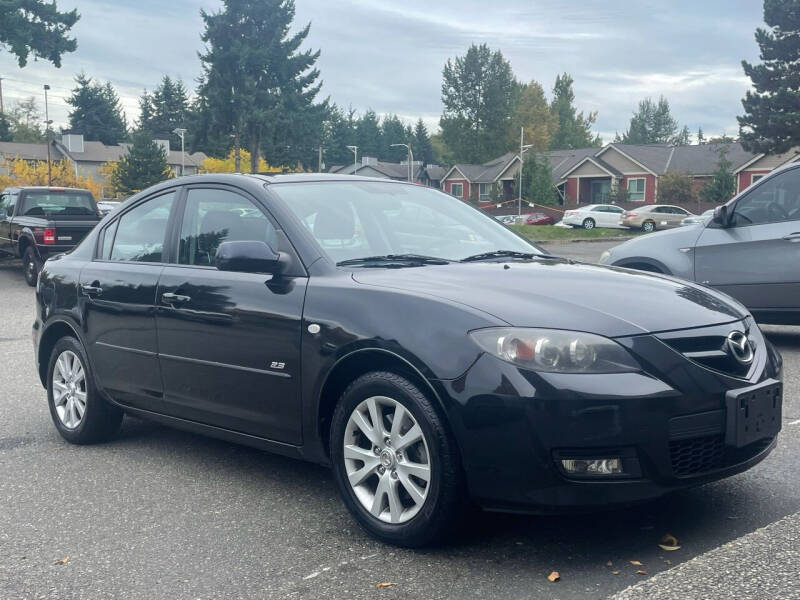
(249,257)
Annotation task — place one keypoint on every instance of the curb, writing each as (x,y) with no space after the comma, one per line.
(590,240)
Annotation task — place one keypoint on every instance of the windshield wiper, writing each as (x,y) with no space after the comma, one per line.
(506,254)
(394,258)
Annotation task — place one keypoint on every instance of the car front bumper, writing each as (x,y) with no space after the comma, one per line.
(514,427)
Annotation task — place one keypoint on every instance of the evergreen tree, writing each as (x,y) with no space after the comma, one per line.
(368,135)
(165,110)
(36,27)
(478,95)
(393,132)
(339,132)
(537,181)
(421,142)
(5,129)
(684,138)
(203,135)
(256,83)
(723,186)
(532,112)
(144,164)
(701,138)
(573,129)
(652,123)
(771,123)
(96,111)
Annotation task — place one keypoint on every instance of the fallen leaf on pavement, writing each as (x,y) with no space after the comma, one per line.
(636,563)
(641,572)
(553,577)
(609,563)
(384,584)
(615,572)
(62,561)
(669,542)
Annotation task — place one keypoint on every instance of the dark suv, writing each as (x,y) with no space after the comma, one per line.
(37,222)
(428,353)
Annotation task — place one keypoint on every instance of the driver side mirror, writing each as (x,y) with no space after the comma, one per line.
(250,257)
(721,216)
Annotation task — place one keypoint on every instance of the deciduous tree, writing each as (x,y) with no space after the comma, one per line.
(675,188)
(771,122)
(532,113)
(573,129)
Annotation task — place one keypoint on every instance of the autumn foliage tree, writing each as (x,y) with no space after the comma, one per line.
(62,174)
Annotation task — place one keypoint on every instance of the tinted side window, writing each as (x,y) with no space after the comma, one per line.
(141,231)
(3,204)
(213,216)
(108,239)
(773,201)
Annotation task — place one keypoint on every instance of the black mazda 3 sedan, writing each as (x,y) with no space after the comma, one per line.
(430,355)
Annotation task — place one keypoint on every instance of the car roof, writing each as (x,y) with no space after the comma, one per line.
(45,187)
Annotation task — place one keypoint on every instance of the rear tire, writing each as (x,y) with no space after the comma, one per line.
(409,495)
(588,224)
(648,226)
(79,412)
(31,266)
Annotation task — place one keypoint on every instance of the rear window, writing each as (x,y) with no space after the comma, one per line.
(53,204)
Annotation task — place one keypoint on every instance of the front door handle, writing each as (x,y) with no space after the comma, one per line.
(91,290)
(172,299)
(793,237)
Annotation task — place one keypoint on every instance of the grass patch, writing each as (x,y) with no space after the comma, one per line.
(547,233)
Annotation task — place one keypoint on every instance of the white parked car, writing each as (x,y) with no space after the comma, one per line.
(594,215)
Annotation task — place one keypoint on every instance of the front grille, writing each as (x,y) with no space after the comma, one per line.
(708,346)
(701,455)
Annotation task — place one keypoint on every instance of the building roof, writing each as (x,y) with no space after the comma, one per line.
(101,153)
(435,172)
(486,172)
(28,151)
(702,160)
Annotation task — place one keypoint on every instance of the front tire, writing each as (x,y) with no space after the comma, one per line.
(78,410)
(31,266)
(396,465)
(588,224)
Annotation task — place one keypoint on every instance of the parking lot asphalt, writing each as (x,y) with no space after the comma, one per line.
(159,513)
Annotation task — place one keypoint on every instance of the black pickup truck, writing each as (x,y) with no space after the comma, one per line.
(37,222)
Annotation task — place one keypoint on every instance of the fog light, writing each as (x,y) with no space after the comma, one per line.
(593,466)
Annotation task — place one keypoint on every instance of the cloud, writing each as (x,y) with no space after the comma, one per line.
(388,55)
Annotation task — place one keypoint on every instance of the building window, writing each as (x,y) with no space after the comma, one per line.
(636,189)
(457,189)
(484,192)
(756,177)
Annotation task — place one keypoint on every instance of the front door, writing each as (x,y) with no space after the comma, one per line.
(229,342)
(600,190)
(757,258)
(117,296)
(5,223)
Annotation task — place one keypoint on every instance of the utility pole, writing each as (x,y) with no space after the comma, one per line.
(319,160)
(354,150)
(47,122)
(522,149)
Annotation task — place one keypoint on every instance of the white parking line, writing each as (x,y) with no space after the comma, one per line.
(795,422)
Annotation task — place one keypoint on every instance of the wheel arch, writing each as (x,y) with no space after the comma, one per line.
(359,362)
(54,331)
(643,263)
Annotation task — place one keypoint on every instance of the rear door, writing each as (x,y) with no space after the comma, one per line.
(757,258)
(229,342)
(5,222)
(118,296)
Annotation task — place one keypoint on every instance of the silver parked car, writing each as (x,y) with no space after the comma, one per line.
(749,249)
(705,217)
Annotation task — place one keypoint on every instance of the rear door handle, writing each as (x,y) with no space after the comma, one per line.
(793,237)
(172,299)
(91,290)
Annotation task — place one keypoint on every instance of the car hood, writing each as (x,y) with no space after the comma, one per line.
(556,294)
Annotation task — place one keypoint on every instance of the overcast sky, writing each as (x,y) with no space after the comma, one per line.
(388,55)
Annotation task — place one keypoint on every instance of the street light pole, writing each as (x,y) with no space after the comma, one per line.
(181,132)
(522,149)
(410,160)
(47,136)
(354,150)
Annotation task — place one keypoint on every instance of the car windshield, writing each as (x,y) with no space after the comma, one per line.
(360,219)
(54,203)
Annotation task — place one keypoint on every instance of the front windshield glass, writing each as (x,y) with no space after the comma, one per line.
(358,219)
(55,203)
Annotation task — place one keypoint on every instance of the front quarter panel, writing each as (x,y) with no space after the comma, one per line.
(671,251)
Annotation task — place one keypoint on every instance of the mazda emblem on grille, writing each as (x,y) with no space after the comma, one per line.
(739,347)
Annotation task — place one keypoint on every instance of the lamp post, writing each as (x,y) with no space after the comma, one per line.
(410,160)
(47,123)
(354,150)
(180,131)
(522,148)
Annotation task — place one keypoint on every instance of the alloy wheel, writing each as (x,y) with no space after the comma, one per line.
(386,459)
(588,224)
(69,389)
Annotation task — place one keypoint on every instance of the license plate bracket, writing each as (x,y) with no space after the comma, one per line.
(753,413)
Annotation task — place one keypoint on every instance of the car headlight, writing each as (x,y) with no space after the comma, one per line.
(555,350)
(605,256)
